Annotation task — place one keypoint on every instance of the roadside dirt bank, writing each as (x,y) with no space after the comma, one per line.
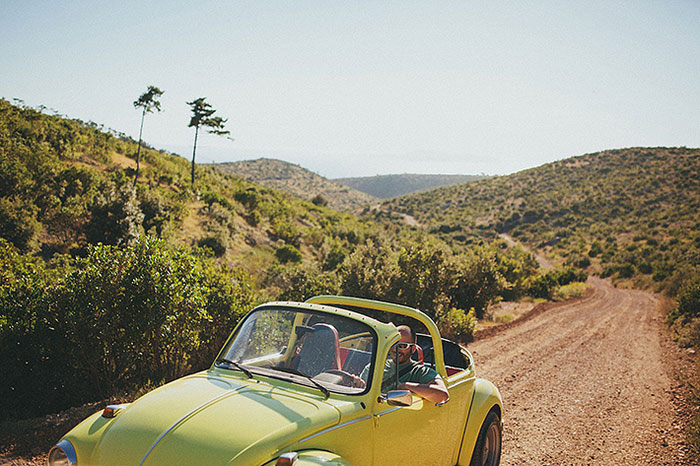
(594,381)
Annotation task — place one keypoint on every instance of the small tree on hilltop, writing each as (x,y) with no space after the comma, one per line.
(148,101)
(202,115)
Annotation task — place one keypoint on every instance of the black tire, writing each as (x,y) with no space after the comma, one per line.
(487,451)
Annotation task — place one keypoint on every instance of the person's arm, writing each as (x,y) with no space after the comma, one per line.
(434,391)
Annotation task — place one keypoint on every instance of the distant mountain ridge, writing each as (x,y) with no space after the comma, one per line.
(294,179)
(388,186)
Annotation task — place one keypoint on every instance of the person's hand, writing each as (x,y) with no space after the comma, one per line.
(358,382)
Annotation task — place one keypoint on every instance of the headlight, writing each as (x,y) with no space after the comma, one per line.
(62,454)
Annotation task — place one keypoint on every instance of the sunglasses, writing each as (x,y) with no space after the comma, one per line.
(404,346)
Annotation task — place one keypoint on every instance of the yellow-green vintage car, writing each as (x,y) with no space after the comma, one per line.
(304,384)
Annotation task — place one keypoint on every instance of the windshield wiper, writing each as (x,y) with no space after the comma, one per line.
(236,365)
(288,370)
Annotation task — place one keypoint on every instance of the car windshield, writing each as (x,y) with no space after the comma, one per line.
(326,351)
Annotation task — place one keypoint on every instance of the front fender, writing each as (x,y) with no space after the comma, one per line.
(486,397)
(316,457)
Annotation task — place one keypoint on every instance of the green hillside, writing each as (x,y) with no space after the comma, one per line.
(388,186)
(631,214)
(291,178)
(65,185)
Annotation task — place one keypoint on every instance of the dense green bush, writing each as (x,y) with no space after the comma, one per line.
(458,325)
(18,223)
(688,302)
(288,253)
(334,256)
(423,278)
(429,278)
(368,272)
(217,242)
(542,286)
(319,200)
(477,284)
(115,217)
(569,275)
(113,321)
(299,284)
(689,299)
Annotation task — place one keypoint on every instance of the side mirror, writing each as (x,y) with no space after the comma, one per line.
(399,398)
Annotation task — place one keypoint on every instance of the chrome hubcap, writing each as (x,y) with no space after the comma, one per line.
(492,446)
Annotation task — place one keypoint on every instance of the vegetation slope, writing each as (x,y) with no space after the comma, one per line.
(631,214)
(292,178)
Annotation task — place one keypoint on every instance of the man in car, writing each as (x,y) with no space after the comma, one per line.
(413,376)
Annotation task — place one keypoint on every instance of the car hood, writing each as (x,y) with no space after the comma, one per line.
(209,419)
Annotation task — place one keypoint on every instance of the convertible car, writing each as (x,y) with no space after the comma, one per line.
(304,384)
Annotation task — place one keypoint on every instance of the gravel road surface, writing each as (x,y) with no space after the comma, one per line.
(587,383)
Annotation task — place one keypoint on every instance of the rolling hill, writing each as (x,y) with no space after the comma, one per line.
(285,176)
(388,186)
(66,184)
(633,214)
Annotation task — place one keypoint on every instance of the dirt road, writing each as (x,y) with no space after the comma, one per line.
(586,383)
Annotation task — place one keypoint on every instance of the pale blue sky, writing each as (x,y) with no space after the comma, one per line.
(354,88)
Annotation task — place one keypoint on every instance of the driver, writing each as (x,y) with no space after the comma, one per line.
(415,377)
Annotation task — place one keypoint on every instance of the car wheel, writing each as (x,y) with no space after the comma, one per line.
(488,445)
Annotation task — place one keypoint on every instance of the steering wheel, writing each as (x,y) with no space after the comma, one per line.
(348,379)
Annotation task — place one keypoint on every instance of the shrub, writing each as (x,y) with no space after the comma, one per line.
(210,197)
(542,286)
(581,262)
(29,349)
(368,272)
(688,333)
(505,318)
(299,284)
(18,223)
(319,200)
(287,232)
(626,270)
(569,275)
(115,217)
(249,198)
(423,275)
(155,213)
(689,300)
(570,291)
(458,325)
(595,250)
(253,218)
(477,283)
(335,256)
(216,242)
(112,322)
(288,253)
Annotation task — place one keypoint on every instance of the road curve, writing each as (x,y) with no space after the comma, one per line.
(586,383)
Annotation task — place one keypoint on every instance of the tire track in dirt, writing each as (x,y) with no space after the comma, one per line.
(586,383)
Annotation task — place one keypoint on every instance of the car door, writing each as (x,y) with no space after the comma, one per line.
(411,435)
(461,388)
